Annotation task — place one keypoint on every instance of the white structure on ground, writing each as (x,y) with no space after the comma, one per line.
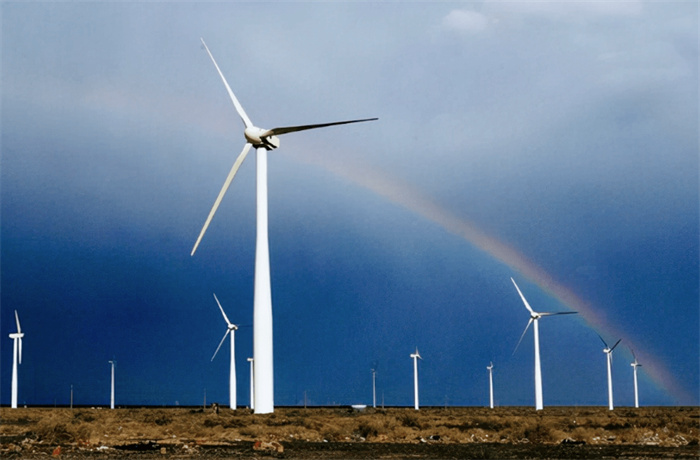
(111,393)
(490,368)
(16,360)
(263,140)
(608,357)
(252,383)
(230,329)
(415,356)
(534,319)
(635,365)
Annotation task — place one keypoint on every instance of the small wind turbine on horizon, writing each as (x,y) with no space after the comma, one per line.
(490,368)
(374,388)
(608,352)
(263,140)
(415,356)
(252,383)
(111,393)
(534,319)
(16,359)
(230,329)
(635,365)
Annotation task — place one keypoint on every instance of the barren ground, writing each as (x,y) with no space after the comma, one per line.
(460,432)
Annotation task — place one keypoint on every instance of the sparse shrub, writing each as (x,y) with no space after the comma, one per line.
(539,434)
(210,422)
(60,433)
(409,420)
(368,428)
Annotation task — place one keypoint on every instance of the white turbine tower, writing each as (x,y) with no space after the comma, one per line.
(534,318)
(608,352)
(635,365)
(416,356)
(374,388)
(16,358)
(263,140)
(111,393)
(252,383)
(490,368)
(231,329)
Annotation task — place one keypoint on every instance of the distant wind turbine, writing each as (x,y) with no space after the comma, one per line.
(416,356)
(252,383)
(111,394)
(608,352)
(534,319)
(374,388)
(635,365)
(16,358)
(231,329)
(490,368)
(263,140)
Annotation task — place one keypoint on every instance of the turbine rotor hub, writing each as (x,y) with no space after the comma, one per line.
(256,136)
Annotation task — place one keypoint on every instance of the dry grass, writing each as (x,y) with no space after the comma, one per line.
(663,426)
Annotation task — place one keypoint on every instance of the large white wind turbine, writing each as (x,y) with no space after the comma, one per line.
(608,353)
(111,393)
(534,319)
(263,140)
(415,356)
(490,368)
(16,358)
(231,329)
(635,365)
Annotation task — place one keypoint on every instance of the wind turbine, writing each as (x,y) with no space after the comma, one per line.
(374,388)
(416,356)
(534,319)
(252,383)
(231,329)
(263,140)
(16,358)
(490,368)
(111,394)
(635,365)
(608,351)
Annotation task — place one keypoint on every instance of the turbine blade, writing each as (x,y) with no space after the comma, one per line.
(19,329)
(293,129)
(601,339)
(20,350)
(222,310)
(220,343)
(633,355)
(558,313)
(239,107)
(523,335)
(229,178)
(527,305)
(613,347)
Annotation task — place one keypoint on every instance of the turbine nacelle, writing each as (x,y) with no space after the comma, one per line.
(259,137)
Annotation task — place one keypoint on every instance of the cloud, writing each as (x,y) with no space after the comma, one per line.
(568,10)
(464,21)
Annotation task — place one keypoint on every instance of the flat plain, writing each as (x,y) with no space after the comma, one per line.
(341,432)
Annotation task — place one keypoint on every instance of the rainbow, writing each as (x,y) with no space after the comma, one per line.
(412,199)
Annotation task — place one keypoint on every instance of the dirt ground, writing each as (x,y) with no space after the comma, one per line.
(343,433)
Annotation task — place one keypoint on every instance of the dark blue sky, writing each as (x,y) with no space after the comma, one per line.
(565,133)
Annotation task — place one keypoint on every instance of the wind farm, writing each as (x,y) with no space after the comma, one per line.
(549,144)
